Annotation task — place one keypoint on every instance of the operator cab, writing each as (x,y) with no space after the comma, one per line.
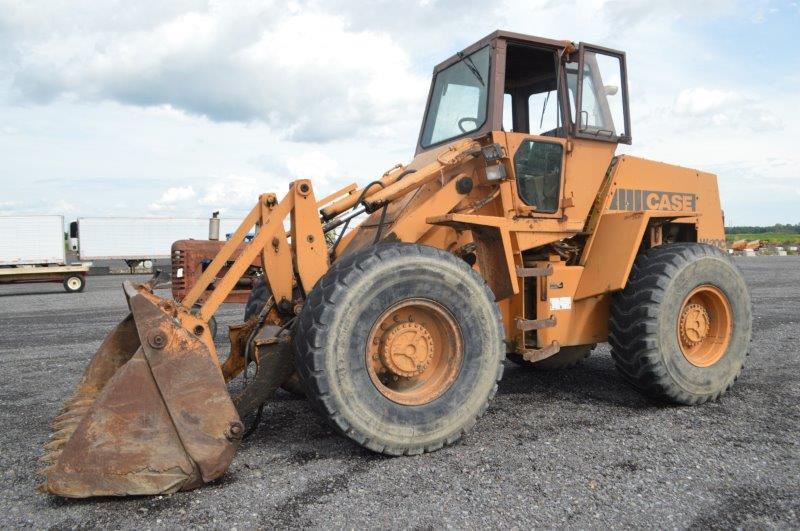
(518,83)
(541,93)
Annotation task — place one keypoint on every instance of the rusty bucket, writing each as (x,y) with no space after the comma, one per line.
(152,413)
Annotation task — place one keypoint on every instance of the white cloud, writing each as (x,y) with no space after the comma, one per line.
(176,196)
(725,108)
(234,192)
(702,101)
(313,165)
(303,72)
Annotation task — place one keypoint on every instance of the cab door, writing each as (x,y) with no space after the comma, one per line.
(538,163)
(535,128)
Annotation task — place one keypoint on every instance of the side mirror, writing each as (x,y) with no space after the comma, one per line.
(611,90)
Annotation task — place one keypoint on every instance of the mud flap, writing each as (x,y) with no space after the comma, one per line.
(151,415)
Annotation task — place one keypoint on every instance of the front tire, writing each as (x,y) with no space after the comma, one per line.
(401,347)
(680,330)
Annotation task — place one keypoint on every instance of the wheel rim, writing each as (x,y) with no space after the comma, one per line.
(414,352)
(704,326)
(73,283)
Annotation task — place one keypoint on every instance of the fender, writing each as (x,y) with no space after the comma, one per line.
(609,254)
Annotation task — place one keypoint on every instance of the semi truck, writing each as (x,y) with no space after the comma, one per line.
(32,250)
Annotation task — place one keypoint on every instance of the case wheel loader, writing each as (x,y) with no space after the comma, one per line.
(514,230)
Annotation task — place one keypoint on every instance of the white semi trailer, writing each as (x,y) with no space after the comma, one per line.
(32,250)
(136,239)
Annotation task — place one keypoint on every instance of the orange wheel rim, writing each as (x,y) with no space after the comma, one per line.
(704,326)
(414,352)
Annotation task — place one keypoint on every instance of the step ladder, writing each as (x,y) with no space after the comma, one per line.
(525,325)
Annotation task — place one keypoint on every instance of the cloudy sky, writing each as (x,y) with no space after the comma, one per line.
(183,107)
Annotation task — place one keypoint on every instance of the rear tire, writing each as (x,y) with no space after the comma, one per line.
(74,283)
(566,358)
(672,343)
(353,308)
(257,299)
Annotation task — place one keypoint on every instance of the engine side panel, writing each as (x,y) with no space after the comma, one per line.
(644,185)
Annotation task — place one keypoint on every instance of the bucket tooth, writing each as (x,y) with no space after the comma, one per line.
(80,403)
(65,423)
(71,414)
(50,457)
(63,433)
(56,444)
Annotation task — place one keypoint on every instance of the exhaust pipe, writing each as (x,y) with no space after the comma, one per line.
(213,227)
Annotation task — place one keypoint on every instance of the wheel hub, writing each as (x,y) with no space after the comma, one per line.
(414,351)
(704,326)
(694,324)
(406,349)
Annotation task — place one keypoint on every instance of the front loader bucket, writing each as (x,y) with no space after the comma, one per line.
(151,414)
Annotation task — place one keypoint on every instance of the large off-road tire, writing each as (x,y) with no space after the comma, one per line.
(566,358)
(680,330)
(401,347)
(257,299)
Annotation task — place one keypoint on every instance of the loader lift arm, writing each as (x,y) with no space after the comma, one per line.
(304,253)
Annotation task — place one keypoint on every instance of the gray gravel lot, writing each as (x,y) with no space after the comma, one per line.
(575,448)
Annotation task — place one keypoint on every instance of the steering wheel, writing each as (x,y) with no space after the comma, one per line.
(467,119)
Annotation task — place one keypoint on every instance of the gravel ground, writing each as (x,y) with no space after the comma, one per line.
(566,449)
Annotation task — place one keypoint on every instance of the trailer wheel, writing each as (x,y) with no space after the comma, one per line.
(400,347)
(74,283)
(680,330)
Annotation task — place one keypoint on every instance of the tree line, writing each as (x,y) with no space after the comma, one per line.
(778,227)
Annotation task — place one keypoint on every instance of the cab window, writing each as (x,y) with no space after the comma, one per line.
(531,103)
(537,166)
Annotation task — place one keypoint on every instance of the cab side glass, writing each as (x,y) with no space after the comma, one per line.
(610,71)
(537,166)
(602,105)
(508,123)
(543,113)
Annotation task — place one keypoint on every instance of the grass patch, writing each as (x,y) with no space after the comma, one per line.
(774,238)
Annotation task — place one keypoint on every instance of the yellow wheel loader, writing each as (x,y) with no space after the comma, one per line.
(515,230)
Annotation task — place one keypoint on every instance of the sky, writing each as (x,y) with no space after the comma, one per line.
(183,107)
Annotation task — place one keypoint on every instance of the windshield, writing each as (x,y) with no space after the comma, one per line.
(458,102)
